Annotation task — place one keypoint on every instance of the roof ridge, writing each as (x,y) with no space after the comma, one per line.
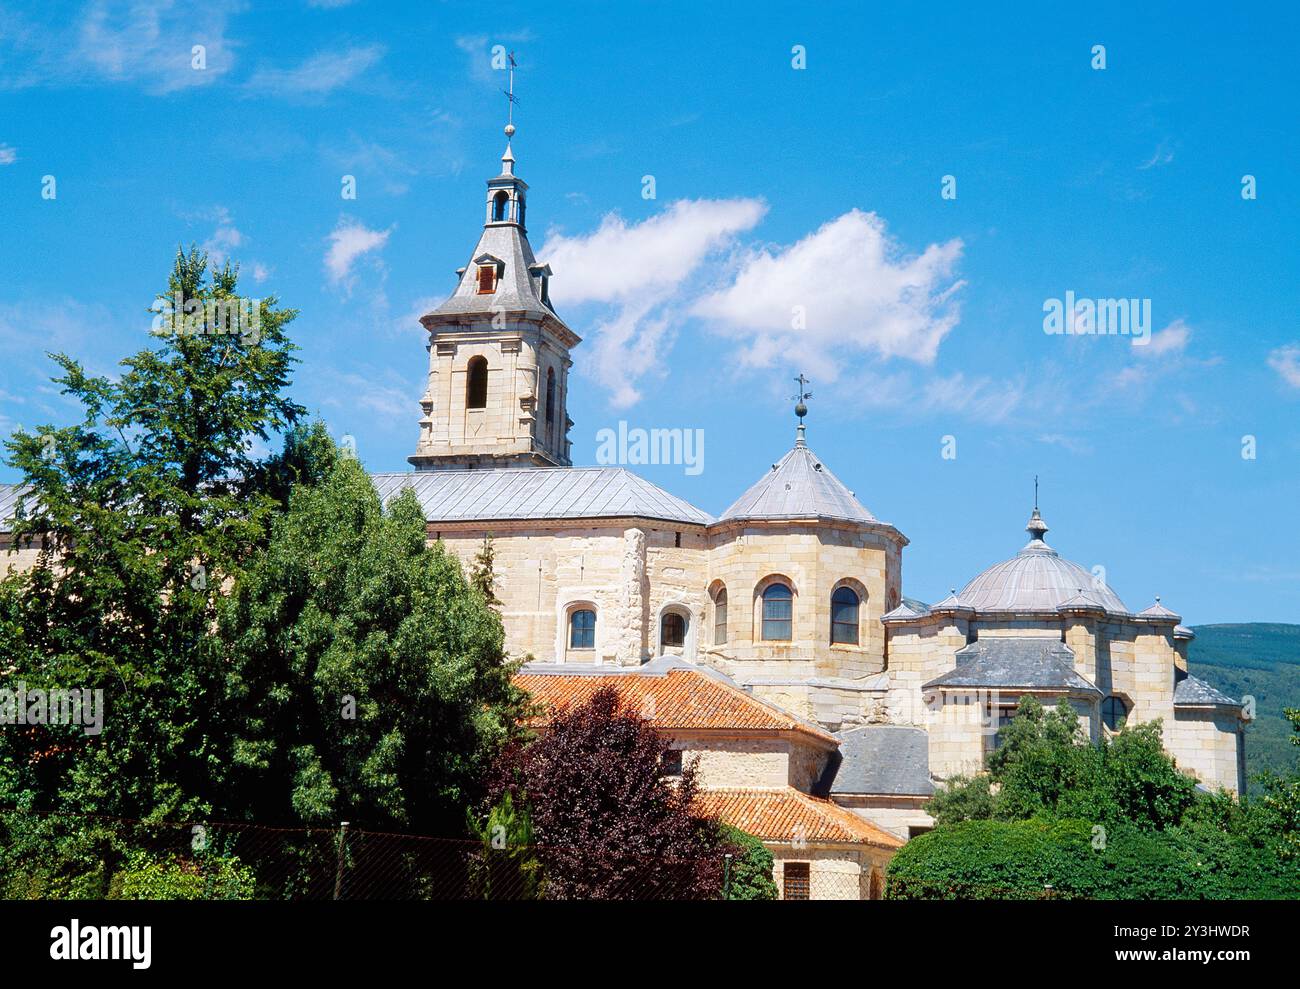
(797,723)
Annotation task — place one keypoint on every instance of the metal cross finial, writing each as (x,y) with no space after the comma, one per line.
(511,98)
(800,409)
(1035,492)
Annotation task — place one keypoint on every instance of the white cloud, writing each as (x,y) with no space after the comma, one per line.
(640,272)
(260,272)
(1286,362)
(8,155)
(1169,342)
(321,74)
(224,239)
(348,241)
(620,260)
(845,287)
(149,42)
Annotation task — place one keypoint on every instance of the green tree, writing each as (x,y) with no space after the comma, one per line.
(483,574)
(1280,802)
(1046,766)
(367,679)
(141,511)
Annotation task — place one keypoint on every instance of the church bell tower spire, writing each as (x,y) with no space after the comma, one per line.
(498,353)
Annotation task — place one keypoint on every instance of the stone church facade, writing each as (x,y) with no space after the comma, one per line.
(813,692)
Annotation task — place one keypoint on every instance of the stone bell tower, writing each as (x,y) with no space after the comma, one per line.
(498,354)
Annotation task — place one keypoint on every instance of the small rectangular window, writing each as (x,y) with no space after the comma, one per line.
(487,279)
(795,881)
(672,762)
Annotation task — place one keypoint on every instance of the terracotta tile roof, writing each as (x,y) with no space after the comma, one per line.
(681,699)
(786,814)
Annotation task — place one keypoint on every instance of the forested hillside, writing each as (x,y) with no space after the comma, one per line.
(1262,660)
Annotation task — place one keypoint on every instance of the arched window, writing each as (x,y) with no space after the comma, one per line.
(550,395)
(672,629)
(720,617)
(476,384)
(1113,712)
(500,206)
(778,610)
(844,616)
(582,629)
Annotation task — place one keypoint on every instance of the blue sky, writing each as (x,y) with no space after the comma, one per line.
(775,188)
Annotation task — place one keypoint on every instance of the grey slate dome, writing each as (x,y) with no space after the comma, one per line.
(799,486)
(1039,579)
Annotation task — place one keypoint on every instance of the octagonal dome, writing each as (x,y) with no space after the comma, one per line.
(1038,579)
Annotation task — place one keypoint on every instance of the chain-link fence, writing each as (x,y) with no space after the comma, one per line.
(79,857)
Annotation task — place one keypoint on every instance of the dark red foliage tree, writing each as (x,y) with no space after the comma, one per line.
(607,821)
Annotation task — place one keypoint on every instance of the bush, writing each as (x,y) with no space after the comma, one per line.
(751,866)
(1072,859)
(206,877)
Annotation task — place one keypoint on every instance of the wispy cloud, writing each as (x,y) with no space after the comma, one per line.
(348,241)
(148,42)
(1161,156)
(1169,342)
(8,155)
(1286,362)
(319,75)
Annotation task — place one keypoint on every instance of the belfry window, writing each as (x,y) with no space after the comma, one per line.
(844,616)
(501,207)
(582,629)
(487,279)
(778,612)
(550,395)
(476,383)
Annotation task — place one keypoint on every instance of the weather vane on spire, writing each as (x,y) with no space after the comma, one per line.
(511,98)
(800,409)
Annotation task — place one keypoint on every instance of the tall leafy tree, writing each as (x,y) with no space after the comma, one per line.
(141,511)
(367,677)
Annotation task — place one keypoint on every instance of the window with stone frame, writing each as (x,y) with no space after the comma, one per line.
(720,617)
(778,613)
(844,616)
(672,762)
(796,883)
(672,630)
(476,383)
(1113,712)
(582,629)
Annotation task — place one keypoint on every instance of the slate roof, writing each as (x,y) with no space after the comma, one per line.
(1038,579)
(784,814)
(525,493)
(1016,662)
(9,495)
(1158,610)
(798,486)
(889,759)
(1192,691)
(519,283)
(674,695)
